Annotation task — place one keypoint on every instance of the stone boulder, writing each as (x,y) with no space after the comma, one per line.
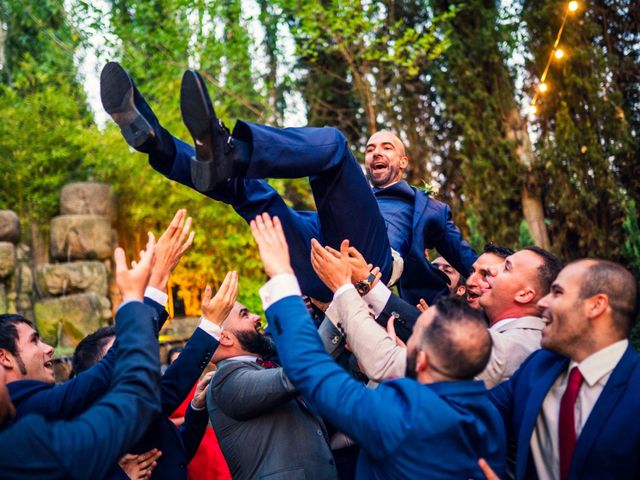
(71,318)
(7,259)
(9,226)
(74,277)
(81,237)
(88,198)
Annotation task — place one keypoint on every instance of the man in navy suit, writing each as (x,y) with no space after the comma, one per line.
(32,389)
(572,407)
(86,446)
(435,424)
(231,168)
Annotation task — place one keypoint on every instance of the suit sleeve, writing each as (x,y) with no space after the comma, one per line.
(182,375)
(361,413)
(378,354)
(89,445)
(243,393)
(405,313)
(161,313)
(192,430)
(448,240)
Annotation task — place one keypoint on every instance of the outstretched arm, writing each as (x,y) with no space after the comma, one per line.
(361,413)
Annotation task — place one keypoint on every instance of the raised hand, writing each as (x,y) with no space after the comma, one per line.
(140,467)
(332,267)
(132,282)
(391,330)
(200,395)
(172,244)
(216,309)
(272,244)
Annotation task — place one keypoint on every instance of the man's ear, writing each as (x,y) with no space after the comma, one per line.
(524,296)
(422,362)
(404,161)
(461,290)
(6,358)
(596,305)
(226,339)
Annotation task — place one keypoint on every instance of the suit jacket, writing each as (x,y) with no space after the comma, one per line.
(608,445)
(264,429)
(65,401)
(88,445)
(512,344)
(433,227)
(405,429)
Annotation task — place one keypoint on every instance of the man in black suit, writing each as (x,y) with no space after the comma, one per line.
(263,426)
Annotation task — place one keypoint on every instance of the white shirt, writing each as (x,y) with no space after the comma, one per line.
(596,370)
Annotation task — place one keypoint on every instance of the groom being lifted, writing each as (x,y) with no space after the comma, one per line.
(391,224)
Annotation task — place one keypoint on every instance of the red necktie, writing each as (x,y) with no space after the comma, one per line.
(567,423)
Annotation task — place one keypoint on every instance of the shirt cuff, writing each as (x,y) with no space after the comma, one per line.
(197,409)
(377,298)
(279,287)
(211,328)
(156,295)
(342,289)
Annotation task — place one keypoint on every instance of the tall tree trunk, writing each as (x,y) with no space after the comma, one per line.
(531,196)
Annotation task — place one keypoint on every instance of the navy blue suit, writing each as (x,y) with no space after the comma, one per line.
(346,206)
(88,445)
(609,442)
(405,429)
(65,401)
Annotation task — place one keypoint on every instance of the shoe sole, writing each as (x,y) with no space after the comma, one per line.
(116,93)
(198,118)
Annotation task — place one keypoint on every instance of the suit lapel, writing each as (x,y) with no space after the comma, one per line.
(608,399)
(531,411)
(419,206)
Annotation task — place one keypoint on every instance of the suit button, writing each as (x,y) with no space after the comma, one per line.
(335,339)
(319,432)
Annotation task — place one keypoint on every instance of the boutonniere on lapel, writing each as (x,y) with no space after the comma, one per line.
(431,188)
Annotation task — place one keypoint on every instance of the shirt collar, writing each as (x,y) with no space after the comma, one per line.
(601,363)
(244,358)
(502,323)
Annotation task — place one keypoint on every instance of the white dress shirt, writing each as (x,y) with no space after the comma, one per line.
(596,370)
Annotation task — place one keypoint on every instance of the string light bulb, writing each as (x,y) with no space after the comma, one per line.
(543,87)
(558,53)
(533,109)
(573,6)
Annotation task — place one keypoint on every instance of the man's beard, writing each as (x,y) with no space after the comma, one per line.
(258,343)
(410,369)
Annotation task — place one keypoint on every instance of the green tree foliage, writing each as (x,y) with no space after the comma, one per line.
(44,114)
(589,152)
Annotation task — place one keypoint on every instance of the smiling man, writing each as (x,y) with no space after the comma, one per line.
(572,407)
(231,167)
(23,354)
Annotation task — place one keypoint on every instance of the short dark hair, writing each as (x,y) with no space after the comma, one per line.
(548,271)
(89,350)
(617,283)
(498,250)
(9,332)
(458,339)
(172,351)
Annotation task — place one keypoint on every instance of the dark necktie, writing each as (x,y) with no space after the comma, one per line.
(266,363)
(567,423)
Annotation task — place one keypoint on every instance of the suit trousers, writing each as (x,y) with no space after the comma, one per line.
(346,206)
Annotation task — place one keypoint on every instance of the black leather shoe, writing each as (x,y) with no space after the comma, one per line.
(213,162)
(121,99)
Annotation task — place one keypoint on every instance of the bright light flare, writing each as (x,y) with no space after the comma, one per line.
(543,87)
(559,53)
(573,6)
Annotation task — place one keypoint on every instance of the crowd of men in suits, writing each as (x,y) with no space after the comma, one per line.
(375,362)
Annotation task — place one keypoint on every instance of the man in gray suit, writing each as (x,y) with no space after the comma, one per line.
(509,299)
(265,430)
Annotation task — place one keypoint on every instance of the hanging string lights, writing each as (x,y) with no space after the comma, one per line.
(556,53)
